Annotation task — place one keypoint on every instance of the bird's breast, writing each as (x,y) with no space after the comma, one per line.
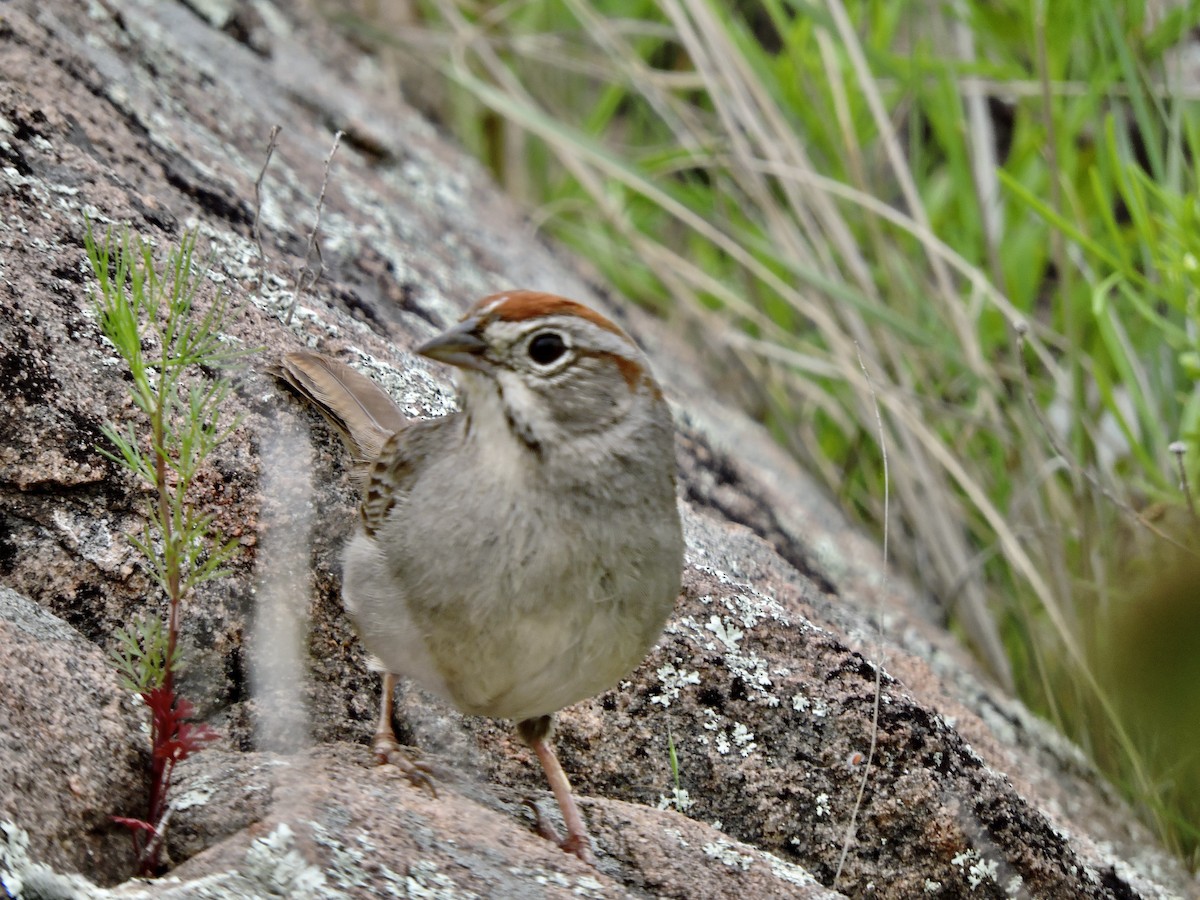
(525,607)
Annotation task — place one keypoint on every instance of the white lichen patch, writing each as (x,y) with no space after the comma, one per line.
(725,738)
(426,881)
(673,681)
(721,742)
(346,868)
(94,540)
(822,805)
(981,871)
(815,706)
(21,876)
(743,739)
(976,868)
(415,390)
(588,886)
(721,635)
(198,794)
(580,886)
(274,861)
(790,872)
(727,634)
(236,254)
(677,835)
(728,854)
(679,800)
(728,631)
(239,271)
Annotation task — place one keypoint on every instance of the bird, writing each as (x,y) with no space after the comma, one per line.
(523,553)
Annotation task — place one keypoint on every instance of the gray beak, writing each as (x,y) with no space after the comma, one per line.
(459,346)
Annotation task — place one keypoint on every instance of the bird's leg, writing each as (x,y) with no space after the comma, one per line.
(385,736)
(536,733)
(387,749)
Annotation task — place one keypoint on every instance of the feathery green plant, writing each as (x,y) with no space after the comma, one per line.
(152,315)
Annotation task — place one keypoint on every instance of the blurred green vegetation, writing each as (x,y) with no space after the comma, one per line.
(1148,662)
(994,204)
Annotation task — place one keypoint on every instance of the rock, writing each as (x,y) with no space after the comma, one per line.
(355,821)
(142,114)
(70,739)
(328,823)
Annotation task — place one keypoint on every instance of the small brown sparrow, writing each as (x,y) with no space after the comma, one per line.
(524,553)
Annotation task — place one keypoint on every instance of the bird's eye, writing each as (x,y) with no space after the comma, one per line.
(546,347)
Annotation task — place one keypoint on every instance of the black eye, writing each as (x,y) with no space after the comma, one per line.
(546,347)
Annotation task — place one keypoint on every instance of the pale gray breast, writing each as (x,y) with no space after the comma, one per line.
(527,599)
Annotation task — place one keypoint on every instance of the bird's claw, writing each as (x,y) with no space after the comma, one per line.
(387,751)
(575,844)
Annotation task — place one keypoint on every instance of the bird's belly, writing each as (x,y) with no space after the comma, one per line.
(521,647)
(555,621)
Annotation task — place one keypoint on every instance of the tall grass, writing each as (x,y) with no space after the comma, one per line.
(995,204)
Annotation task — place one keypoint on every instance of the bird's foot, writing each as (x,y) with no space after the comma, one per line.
(579,845)
(388,751)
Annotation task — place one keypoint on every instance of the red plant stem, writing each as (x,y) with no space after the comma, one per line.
(149,857)
(161,768)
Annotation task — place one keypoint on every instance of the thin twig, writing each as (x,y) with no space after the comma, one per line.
(1179,448)
(312,236)
(258,183)
(852,826)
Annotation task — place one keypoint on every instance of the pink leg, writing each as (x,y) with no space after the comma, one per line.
(387,749)
(536,733)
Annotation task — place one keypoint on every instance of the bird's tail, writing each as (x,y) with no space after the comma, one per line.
(359,409)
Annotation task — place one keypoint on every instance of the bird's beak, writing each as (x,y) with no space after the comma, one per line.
(459,346)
